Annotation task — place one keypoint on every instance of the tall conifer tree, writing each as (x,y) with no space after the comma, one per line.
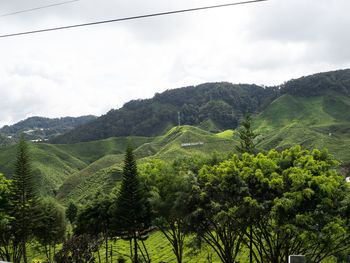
(246,136)
(131,211)
(247,145)
(24,196)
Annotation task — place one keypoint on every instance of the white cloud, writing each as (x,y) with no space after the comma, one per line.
(93,69)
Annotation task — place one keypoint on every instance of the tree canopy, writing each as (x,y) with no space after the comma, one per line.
(293,202)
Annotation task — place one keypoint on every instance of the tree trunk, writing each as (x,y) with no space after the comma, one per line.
(106,241)
(251,245)
(136,258)
(24,249)
(111,252)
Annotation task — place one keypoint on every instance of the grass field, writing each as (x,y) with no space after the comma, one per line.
(158,248)
(161,252)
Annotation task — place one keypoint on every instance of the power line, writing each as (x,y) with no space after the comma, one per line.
(130,18)
(37,8)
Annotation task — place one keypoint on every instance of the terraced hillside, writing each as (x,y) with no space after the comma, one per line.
(104,173)
(312,122)
(50,165)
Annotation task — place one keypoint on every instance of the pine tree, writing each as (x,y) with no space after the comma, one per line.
(131,211)
(246,136)
(24,197)
(247,145)
(71,212)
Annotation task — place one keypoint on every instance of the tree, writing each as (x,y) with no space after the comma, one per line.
(71,212)
(294,200)
(131,211)
(24,197)
(300,197)
(94,219)
(247,145)
(5,219)
(170,190)
(78,249)
(246,136)
(50,229)
(219,219)
(4,200)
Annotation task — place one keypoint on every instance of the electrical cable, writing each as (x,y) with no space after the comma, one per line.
(37,8)
(130,18)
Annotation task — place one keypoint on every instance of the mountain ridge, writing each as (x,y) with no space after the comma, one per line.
(41,128)
(215,107)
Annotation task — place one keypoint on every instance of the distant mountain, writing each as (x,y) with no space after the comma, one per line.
(212,106)
(40,128)
(5,140)
(319,84)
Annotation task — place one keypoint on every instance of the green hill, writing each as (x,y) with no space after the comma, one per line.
(319,84)
(50,165)
(211,106)
(312,111)
(104,173)
(40,128)
(312,122)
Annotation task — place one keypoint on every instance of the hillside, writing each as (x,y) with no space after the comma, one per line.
(313,116)
(35,128)
(312,122)
(50,165)
(179,142)
(319,84)
(212,106)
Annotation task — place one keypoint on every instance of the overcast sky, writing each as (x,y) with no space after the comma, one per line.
(93,69)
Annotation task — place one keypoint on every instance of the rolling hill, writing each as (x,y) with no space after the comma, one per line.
(302,111)
(40,128)
(179,142)
(312,122)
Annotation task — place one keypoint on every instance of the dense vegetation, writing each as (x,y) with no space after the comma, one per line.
(212,106)
(319,84)
(271,205)
(41,128)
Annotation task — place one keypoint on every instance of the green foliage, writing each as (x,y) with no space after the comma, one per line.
(78,249)
(5,140)
(4,199)
(5,218)
(71,212)
(217,103)
(247,136)
(319,84)
(170,201)
(24,197)
(131,214)
(94,219)
(50,228)
(219,219)
(291,201)
(50,165)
